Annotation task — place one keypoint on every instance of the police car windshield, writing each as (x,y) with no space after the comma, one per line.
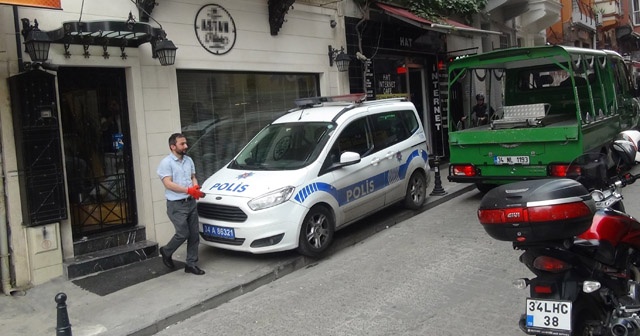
(286,146)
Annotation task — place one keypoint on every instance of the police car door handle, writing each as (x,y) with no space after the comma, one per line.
(375,161)
(390,155)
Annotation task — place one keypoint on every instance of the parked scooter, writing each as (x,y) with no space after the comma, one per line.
(584,254)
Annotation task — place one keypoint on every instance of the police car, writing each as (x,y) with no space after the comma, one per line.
(316,169)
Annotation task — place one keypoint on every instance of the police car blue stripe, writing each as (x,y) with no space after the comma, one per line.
(363,187)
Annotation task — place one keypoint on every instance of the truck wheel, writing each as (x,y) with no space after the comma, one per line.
(316,233)
(416,191)
(485,187)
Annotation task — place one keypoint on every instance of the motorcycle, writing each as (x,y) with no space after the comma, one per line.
(582,248)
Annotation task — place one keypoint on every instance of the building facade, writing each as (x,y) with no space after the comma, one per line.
(83,132)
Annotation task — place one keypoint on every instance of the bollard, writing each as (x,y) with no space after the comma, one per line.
(437,187)
(63,327)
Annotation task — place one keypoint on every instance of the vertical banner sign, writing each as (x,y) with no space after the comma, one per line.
(436,122)
(53,4)
(368,80)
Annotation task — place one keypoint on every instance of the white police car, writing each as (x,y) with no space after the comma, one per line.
(314,170)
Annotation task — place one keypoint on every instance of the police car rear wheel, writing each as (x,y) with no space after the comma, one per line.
(416,191)
(317,231)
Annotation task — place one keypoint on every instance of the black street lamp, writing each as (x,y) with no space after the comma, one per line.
(341,59)
(36,42)
(165,51)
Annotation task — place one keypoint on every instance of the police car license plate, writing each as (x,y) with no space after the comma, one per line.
(510,160)
(218,231)
(548,317)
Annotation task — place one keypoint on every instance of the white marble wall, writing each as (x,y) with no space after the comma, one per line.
(300,46)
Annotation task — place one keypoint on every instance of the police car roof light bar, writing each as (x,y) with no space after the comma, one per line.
(351,98)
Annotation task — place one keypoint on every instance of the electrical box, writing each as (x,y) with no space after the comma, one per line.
(45,252)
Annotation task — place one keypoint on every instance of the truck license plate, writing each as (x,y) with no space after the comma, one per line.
(511,160)
(218,231)
(549,317)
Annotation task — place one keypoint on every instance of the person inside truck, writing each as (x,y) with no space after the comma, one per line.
(482,112)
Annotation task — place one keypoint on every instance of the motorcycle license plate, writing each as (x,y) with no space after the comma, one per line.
(548,317)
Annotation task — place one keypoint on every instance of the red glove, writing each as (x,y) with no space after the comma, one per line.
(195,192)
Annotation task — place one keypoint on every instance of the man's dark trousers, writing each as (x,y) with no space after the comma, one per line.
(184,216)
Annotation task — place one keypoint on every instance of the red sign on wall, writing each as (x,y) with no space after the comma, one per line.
(54,4)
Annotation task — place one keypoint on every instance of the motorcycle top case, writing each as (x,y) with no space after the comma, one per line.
(537,210)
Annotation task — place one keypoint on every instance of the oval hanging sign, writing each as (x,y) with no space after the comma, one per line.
(215,29)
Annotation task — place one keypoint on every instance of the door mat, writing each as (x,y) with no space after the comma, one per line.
(113,280)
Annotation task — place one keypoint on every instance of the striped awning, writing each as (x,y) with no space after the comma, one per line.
(448,27)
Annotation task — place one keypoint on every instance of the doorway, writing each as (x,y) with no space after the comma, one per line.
(417,90)
(97,149)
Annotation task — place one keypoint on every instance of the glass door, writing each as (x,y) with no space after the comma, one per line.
(97,149)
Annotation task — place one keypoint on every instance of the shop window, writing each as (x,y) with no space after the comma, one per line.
(221,111)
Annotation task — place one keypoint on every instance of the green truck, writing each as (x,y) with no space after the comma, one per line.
(553,104)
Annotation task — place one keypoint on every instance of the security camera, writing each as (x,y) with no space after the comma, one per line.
(361,57)
(333,23)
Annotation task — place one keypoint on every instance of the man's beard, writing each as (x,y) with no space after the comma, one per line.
(181,152)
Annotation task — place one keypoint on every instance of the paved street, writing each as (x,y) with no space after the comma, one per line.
(435,274)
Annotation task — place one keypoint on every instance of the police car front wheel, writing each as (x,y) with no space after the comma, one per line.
(317,231)
(416,191)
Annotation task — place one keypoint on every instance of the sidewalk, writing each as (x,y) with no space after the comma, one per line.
(150,306)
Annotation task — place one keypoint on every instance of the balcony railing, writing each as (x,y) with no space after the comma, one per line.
(607,10)
(583,14)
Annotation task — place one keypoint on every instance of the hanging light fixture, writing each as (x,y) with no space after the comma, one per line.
(165,51)
(36,42)
(341,59)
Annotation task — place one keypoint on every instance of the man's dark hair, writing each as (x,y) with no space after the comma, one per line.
(173,138)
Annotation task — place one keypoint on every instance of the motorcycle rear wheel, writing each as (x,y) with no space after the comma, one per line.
(589,315)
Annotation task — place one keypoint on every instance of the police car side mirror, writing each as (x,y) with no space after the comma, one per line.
(346,159)
(349,158)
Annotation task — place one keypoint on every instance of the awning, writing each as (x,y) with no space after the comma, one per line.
(449,27)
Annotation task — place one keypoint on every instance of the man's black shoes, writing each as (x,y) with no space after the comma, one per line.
(193,270)
(166,259)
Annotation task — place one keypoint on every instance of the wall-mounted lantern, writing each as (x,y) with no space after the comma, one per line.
(165,51)
(341,59)
(36,42)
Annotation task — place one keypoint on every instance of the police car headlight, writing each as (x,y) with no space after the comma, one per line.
(271,199)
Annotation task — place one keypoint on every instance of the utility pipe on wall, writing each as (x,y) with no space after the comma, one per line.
(4,239)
